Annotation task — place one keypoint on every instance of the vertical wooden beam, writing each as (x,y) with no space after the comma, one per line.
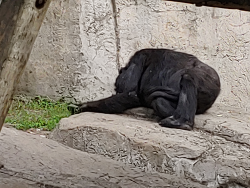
(20,21)
(229,4)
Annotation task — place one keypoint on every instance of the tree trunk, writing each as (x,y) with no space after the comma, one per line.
(20,21)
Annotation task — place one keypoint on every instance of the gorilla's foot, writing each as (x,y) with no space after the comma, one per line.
(171,122)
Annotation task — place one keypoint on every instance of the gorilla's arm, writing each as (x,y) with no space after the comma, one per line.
(112,105)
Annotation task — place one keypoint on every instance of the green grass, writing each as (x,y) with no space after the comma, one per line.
(36,112)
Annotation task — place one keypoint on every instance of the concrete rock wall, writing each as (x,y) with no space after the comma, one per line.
(75,55)
(82,44)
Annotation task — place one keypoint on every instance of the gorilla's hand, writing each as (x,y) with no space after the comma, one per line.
(74,109)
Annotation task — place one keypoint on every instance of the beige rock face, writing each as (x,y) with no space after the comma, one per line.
(75,54)
(82,44)
(215,153)
(30,161)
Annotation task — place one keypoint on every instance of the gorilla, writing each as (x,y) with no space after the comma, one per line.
(175,85)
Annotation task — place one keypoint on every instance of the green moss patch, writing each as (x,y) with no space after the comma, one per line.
(37,112)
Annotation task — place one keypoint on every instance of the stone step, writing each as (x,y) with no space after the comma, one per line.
(215,154)
(31,161)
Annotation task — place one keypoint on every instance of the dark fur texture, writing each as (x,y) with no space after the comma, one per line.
(175,85)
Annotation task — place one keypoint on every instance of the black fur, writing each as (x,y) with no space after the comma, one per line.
(175,84)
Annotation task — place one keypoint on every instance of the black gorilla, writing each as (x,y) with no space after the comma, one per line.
(175,85)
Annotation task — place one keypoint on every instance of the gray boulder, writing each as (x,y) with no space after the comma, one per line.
(215,154)
(31,161)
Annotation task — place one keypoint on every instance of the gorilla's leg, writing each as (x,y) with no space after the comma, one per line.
(112,105)
(183,117)
(162,107)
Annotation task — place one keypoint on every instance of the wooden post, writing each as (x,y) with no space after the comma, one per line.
(20,21)
(230,4)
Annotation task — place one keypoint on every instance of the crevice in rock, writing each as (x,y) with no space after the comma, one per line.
(26,178)
(222,135)
(55,180)
(117,36)
(233,183)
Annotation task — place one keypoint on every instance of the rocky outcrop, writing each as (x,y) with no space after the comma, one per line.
(31,161)
(130,150)
(216,153)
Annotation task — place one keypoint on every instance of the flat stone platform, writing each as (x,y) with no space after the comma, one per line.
(215,154)
(31,161)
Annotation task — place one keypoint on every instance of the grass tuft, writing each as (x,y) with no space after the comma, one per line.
(37,112)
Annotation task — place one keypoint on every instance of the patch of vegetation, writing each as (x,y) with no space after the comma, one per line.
(37,112)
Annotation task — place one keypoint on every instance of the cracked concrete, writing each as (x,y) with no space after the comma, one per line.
(215,154)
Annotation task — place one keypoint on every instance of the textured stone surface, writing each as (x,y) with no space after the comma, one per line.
(215,153)
(30,161)
(75,54)
(83,43)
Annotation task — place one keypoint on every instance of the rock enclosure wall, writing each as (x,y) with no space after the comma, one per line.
(82,44)
(75,54)
(215,154)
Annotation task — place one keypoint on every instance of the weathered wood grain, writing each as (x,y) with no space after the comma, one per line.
(20,21)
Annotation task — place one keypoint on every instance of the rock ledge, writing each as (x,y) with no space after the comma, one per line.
(215,154)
